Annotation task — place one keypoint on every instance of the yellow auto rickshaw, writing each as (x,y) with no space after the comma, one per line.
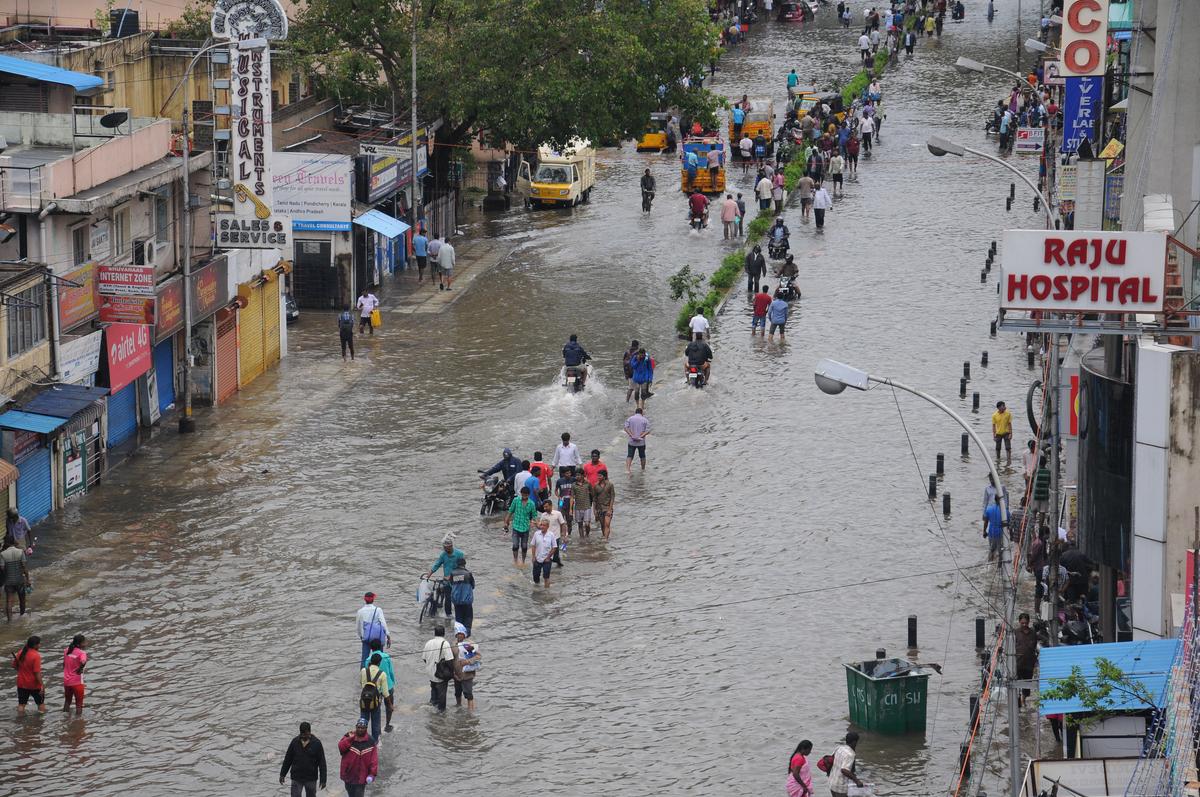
(704,180)
(759,120)
(655,137)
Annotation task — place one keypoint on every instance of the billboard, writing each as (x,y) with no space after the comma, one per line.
(314,189)
(77,304)
(1084,34)
(129,353)
(1081,271)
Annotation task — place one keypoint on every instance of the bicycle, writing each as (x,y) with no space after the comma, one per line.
(436,599)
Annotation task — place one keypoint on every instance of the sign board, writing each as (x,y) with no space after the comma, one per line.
(1089,195)
(127,347)
(1114,187)
(99,242)
(1083,271)
(1081,111)
(1052,72)
(314,189)
(127,280)
(1084,34)
(127,309)
(169,317)
(383,151)
(248,19)
(1066,183)
(78,359)
(74,456)
(254,223)
(210,289)
(1029,141)
(77,305)
(390,171)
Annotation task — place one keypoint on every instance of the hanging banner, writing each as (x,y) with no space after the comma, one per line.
(314,189)
(78,359)
(1081,111)
(169,319)
(1083,271)
(77,304)
(210,289)
(1084,34)
(129,353)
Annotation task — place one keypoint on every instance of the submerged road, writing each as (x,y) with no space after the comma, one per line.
(778,532)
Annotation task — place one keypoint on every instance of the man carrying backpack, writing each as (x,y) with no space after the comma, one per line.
(439,666)
(345,323)
(462,594)
(374,683)
(371,625)
(841,773)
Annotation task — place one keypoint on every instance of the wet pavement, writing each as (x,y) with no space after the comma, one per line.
(777,533)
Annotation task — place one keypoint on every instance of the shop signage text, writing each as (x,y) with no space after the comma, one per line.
(129,353)
(1083,271)
(1029,140)
(1081,110)
(79,358)
(210,289)
(314,189)
(1084,35)
(170,309)
(125,280)
(235,232)
(76,305)
(127,310)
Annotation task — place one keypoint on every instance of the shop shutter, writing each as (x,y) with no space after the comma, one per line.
(270,297)
(35,499)
(227,355)
(122,414)
(164,372)
(250,333)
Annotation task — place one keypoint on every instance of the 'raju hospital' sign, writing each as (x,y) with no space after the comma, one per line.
(1083,271)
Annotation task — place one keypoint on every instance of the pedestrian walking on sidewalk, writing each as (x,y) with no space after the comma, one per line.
(1029,461)
(637,428)
(756,268)
(1002,430)
(374,690)
(1041,490)
(360,759)
(729,210)
(305,760)
(841,774)
(421,252)
(604,501)
(446,261)
(366,305)
(467,659)
(28,663)
(462,593)
(371,624)
(385,664)
(345,322)
(741,216)
(1025,639)
(438,657)
(763,189)
(821,203)
(777,182)
(16,574)
(74,659)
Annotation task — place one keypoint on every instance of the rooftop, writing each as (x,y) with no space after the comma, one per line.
(1147,662)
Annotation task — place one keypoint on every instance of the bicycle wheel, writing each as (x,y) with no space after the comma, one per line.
(426,607)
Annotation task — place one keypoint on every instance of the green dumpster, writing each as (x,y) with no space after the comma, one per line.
(887,695)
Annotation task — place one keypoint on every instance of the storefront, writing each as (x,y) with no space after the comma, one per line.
(209,295)
(316,190)
(258,324)
(26,443)
(78,446)
(226,360)
(8,475)
(168,323)
(128,356)
(387,235)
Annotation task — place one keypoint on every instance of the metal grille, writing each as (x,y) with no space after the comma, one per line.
(227,355)
(250,336)
(270,325)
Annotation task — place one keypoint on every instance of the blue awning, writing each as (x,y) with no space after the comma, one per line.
(45,73)
(30,422)
(1147,662)
(64,401)
(382,223)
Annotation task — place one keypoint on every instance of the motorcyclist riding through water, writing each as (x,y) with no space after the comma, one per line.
(778,236)
(648,189)
(698,208)
(508,466)
(698,355)
(574,356)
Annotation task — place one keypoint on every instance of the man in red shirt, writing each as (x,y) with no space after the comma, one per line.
(761,302)
(698,203)
(591,470)
(541,469)
(360,759)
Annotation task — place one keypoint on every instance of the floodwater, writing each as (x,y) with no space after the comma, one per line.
(777,533)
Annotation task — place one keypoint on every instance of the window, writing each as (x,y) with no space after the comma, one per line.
(120,232)
(162,214)
(79,243)
(294,88)
(26,320)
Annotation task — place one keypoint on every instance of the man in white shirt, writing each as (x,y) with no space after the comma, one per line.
(437,650)
(445,259)
(543,545)
(864,47)
(763,189)
(746,145)
(841,774)
(366,305)
(556,524)
(698,324)
(821,203)
(371,625)
(566,454)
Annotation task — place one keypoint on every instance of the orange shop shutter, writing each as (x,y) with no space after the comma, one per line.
(250,323)
(227,354)
(270,310)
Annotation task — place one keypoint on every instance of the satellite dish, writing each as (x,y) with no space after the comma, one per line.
(114,119)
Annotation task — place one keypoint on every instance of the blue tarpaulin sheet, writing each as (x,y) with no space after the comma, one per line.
(382,223)
(1147,662)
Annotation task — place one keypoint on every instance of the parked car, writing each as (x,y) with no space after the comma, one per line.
(291,309)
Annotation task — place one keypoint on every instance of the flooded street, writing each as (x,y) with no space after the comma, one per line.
(777,533)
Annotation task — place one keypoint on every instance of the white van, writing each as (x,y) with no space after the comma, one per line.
(563,177)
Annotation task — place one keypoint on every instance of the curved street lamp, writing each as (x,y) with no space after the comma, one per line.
(968,65)
(941,146)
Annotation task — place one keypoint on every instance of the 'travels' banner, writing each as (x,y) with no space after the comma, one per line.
(1082,271)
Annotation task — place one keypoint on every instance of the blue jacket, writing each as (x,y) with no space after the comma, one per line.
(573,354)
(508,467)
(643,370)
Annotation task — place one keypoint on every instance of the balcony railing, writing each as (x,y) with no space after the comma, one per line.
(20,187)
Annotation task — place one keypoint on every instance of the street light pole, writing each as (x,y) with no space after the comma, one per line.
(833,377)
(187,424)
(412,199)
(939,146)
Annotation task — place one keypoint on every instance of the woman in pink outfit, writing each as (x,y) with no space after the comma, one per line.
(799,782)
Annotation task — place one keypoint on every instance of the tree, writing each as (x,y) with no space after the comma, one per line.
(522,71)
(1096,692)
(194,23)
(685,284)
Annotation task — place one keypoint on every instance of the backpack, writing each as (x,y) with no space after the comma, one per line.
(461,590)
(369,697)
(346,322)
(825,764)
(444,670)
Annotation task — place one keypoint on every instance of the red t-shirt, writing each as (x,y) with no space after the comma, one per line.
(592,472)
(29,670)
(761,302)
(542,470)
(698,202)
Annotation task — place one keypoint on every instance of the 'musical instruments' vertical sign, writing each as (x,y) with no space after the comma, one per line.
(250,25)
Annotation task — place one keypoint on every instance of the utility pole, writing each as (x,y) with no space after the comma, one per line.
(1018,36)
(187,423)
(412,197)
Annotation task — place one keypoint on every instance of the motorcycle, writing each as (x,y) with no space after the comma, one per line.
(574,377)
(777,249)
(697,222)
(787,289)
(695,376)
(496,494)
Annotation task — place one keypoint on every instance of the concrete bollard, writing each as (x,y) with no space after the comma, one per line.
(1012,190)
(992,329)
(1057,223)
(962,388)
(1029,354)
(964,761)
(974,703)
(1008,204)
(941,464)
(979,632)
(993,249)
(983,359)
(912,631)
(966,369)
(880,653)
(1037,204)
(966,444)
(932,486)
(983,275)
(975,401)
(946,504)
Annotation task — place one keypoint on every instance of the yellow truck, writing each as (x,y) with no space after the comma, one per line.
(563,177)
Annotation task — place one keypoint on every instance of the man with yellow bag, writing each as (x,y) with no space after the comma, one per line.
(367,311)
